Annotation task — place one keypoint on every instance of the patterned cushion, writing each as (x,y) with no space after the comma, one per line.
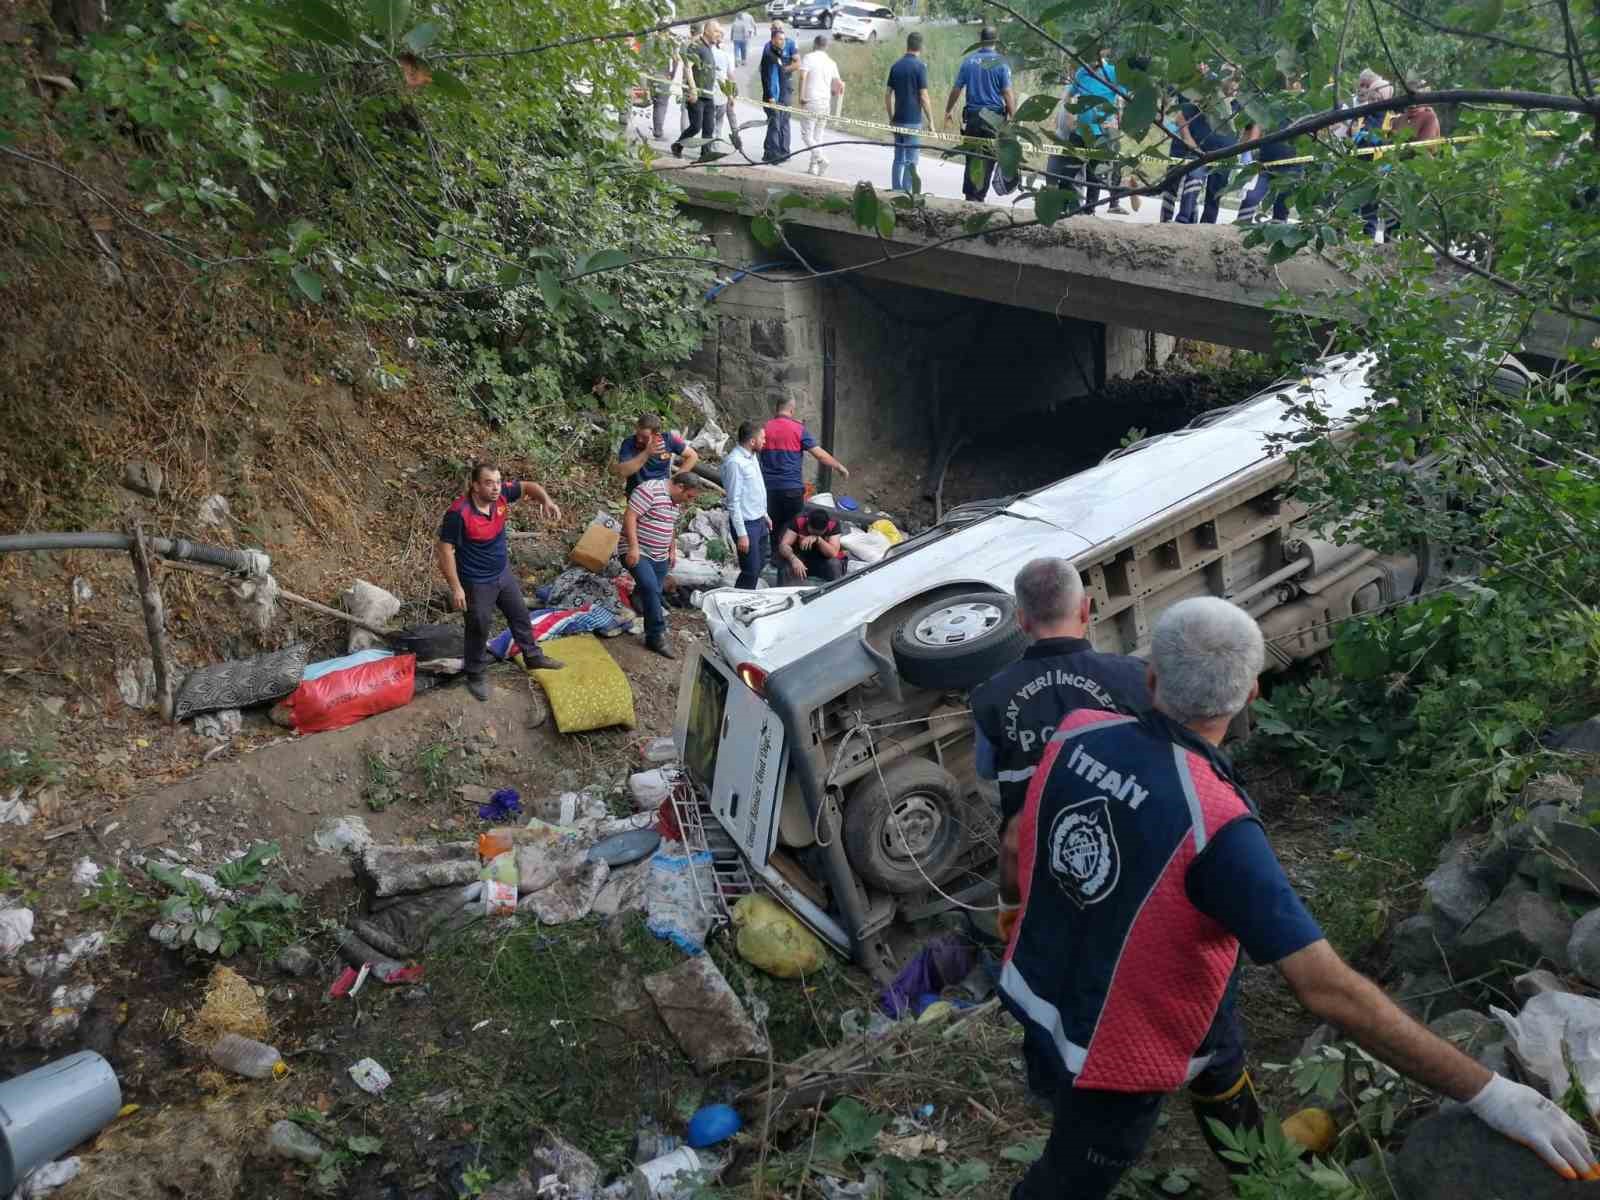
(590,692)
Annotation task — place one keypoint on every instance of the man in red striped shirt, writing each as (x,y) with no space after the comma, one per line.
(650,547)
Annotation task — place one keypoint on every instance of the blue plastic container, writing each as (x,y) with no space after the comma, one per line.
(712,1124)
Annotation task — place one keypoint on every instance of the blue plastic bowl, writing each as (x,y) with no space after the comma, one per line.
(848,503)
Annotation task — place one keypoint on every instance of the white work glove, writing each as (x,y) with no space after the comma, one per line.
(1523,1115)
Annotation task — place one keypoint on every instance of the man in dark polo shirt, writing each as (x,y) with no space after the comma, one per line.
(1017,711)
(809,550)
(647,452)
(472,558)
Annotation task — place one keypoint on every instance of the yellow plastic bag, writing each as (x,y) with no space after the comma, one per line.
(590,691)
(888,529)
(771,938)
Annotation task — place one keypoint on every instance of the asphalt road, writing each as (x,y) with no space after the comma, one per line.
(853,160)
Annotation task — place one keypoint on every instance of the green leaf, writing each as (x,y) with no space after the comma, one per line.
(509,276)
(605,260)
(549,286)
(885,220)
(308,282)
(722,197)
(978,221)
(765,231)
(601,301)
(864,206)
(1036,107)
(390,16)
(246,869)
(451,85)
(420,38)
(1141,110)
(794,200)
(365,1144)
(1008,152)
(1049,204)
(319,21)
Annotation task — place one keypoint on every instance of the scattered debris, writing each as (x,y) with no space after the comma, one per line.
(624,849)
(704,1015)
(213,510)
(231,1006)
(396,870)
(650,788)
(86,873)
(85,945)
(877,1025)
(288,1140)
(712,1124)
(371,605)
(1557,1032)
(248,1057)
(240,683)
(220,725)
(624,892)
(41,1181)
(563,1171)
(143,477)
(595,548)
(14,812)
(910,1146)
(373,682)
(943,962)
(370,1076)
(16,930)
(773,940)
(712,440)
(679,1173)
(569,897)
(502,806)
(136,683)
(343,834)
(659,750)
(67,1005)
(673,901)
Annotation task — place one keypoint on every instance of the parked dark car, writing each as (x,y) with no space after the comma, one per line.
(817,14)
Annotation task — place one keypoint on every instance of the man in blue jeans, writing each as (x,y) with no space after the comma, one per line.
(747,502)
(906,101)
(650,548)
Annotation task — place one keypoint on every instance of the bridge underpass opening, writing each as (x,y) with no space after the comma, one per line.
(899,381)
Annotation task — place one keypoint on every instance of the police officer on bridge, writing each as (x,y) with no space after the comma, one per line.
(1130,881)
(1017,711)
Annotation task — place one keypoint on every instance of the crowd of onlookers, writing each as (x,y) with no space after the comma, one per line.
(1202,119)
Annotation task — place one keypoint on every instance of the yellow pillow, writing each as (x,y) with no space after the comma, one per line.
(590,692)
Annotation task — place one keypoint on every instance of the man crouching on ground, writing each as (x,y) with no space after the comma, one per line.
(1129,882)
(472,557)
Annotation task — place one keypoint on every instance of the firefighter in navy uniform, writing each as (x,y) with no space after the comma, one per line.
(1016,712)
(1129,882)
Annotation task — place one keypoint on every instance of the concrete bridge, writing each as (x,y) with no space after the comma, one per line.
(1018,321)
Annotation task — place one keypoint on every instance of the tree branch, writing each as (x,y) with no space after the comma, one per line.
(1440,27)
(1575,63)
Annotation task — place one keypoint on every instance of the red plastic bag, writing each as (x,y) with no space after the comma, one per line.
(342,698)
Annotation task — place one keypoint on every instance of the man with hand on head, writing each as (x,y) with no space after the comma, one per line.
(1130,881)
(647,452)
(809,549)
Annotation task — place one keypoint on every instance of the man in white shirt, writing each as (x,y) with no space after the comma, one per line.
(820,87)
(747,502)
(724,71)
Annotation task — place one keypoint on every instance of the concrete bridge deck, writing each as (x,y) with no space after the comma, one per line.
(1195,281)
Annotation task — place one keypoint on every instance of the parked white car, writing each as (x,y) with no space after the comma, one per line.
(828,726)
(865,23)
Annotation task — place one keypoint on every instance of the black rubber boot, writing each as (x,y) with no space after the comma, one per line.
(478,686)
(1237,1108)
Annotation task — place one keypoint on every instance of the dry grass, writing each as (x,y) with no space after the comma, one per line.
(231,1006)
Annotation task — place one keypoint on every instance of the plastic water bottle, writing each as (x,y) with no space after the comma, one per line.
(253,1060)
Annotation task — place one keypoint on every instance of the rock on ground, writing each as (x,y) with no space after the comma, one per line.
(1583,947)
(1455,895)
(1417,944)
(1520,927)
(1452,1155)
(1566,849)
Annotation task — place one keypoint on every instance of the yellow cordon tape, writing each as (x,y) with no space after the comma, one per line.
(938,135)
